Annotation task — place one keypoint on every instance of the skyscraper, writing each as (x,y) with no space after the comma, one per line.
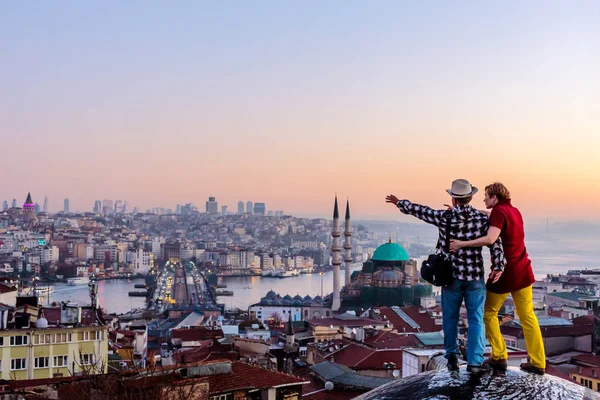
(5,205)
(240,207)
(66,206)
(14,203)
(260,208)
(107,206)
(223,210)
(212,206)
(118,206)
(37,208)
(249,207)
(97,206)
(45,204)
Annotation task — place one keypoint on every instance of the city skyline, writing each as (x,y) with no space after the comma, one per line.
(273,102)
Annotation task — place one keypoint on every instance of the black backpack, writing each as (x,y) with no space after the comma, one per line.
(437,269)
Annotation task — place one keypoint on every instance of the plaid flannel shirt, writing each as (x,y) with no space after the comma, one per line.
(466,223)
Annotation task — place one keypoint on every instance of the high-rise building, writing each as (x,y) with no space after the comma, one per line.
(46,204)
(212,206)
(97,206)
(14,203)
(119,207)
(223,210)
(249,207)
(5,205)
(260,208)
(37,208)
(107,206)
(136,210)
(240,207)
(178,209)
(66,206)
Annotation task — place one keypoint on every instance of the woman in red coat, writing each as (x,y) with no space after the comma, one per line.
(517,279)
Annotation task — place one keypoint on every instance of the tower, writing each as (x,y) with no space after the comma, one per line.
(28,209)
(240,207)
(45,204)
(290,348)
(66,206)
(347,244)
(336,257)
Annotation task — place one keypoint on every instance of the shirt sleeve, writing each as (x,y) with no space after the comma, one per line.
(497,255)
(424,213)
(497,218)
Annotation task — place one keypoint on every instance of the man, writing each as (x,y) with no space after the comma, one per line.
(506,222)
(468,271)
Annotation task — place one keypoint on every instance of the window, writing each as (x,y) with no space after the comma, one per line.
(1,340)
(17,364)
(60,361)
(98,335)
(19,340)
(83,336)
(227,396)
(87,359)
(42,362)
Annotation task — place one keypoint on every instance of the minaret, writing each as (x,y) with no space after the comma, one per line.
(347,244)
(336,257)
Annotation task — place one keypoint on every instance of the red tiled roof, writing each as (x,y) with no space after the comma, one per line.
(425,321)
(584,320)
(550,370)
(589,372)
(245,376)
(586,359)
(550,331)
(359,357)
(344,322)
(196,334)
(390,340)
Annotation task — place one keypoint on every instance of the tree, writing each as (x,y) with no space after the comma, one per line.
(275,321)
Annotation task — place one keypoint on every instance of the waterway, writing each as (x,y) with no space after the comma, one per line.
(547,258)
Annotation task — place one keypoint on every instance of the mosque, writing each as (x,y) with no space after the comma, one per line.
(388,278)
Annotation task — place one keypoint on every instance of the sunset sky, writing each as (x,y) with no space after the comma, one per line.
(291,102)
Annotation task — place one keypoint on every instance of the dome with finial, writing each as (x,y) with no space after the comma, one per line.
(287,297)
(298,297)
(271,295)
(390,251)
(307,297)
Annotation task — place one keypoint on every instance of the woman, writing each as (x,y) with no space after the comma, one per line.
(517,279)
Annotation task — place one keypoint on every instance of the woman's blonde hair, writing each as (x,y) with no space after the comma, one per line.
(499,190)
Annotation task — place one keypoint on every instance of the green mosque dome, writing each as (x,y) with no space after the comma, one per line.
(390,252)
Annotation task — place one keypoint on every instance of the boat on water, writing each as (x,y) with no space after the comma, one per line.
(288,273)
(79,280)
(268,272)
(44,290)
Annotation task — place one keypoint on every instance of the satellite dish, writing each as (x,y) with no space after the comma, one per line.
(329,385)
(396,373)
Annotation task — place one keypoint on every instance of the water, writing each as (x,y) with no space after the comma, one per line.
(547,257)
(112,295)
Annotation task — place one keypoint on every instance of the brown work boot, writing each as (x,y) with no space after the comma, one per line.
(499,365)
(533,369)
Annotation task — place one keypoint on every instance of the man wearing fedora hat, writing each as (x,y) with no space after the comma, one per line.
(468,270)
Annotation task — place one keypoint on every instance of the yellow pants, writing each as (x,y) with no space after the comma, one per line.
(531,328)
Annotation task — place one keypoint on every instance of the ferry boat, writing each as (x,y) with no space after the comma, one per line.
(79,280)
(287,273)
(44,290)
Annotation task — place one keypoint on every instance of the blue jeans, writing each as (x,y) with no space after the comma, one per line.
(473,293)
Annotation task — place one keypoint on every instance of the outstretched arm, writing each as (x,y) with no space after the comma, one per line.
(424,213)
(492,236)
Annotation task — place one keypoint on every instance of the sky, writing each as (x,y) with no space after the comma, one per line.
(289,103)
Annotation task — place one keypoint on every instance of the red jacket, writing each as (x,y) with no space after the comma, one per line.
(518,273)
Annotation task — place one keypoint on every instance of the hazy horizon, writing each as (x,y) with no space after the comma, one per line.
(290,103)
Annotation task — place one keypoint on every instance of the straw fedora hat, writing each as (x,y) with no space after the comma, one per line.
(461,188)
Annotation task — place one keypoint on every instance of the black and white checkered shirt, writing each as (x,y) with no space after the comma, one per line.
(466,223)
